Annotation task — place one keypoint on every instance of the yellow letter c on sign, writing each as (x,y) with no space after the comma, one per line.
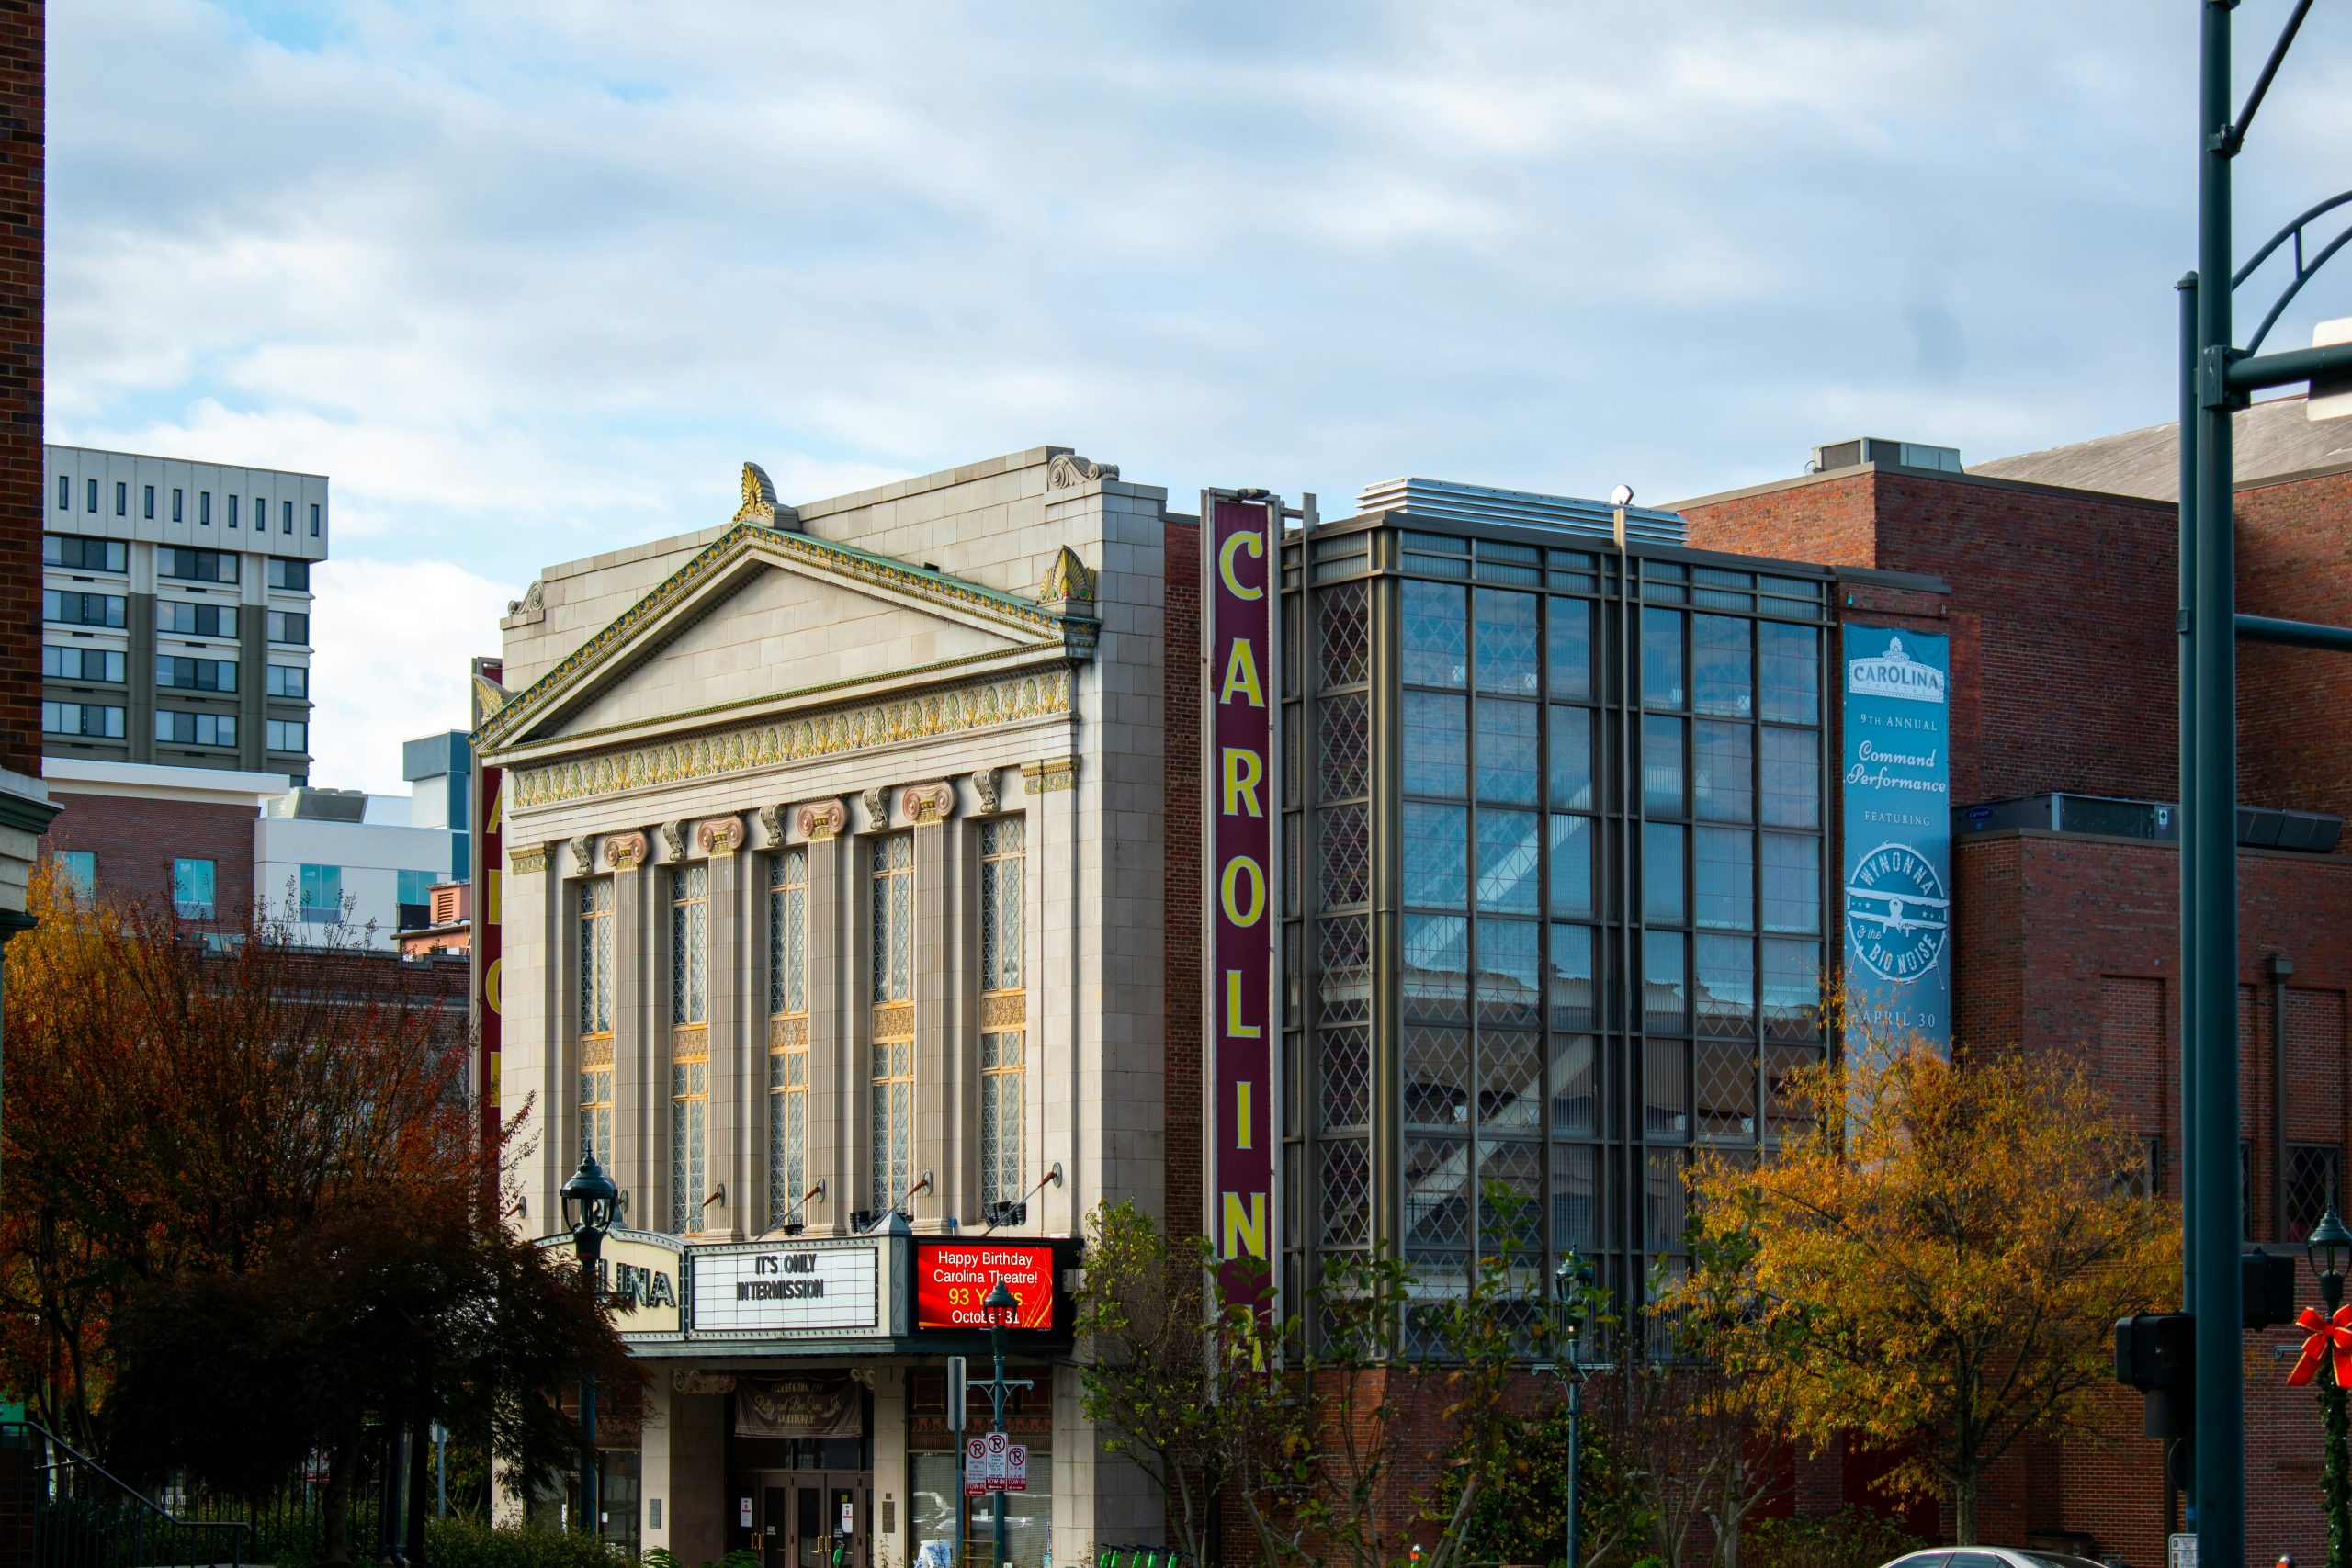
(1256,544)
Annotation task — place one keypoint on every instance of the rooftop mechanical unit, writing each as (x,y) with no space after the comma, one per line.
(1453,503)
(1879,449)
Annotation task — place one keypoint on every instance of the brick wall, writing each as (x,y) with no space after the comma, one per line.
(2062,606)
(1182,932)
(22,202)
(136,839)
(2295,560)
(2072,944)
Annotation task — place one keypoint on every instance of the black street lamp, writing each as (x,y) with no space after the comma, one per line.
(1003,1308)
(2327,1248)
(591,1202)
(1571,1284)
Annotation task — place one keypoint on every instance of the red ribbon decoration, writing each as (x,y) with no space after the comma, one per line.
(2326,1333)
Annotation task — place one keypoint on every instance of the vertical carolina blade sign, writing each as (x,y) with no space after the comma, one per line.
(489,825)
(1898,835)
(1240,537)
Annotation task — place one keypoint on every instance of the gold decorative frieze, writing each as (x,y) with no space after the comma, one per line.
(1066,580)
(689,1039)
(721,836)
(928,803)
(788,1033)
(626,850)
(595,1051)
(1004,1009)
(527,859)
(824,820)
(894,1023)
(1076,634)
(1044,778)
(775,742)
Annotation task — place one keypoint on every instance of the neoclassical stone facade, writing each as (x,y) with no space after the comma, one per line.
(831,910)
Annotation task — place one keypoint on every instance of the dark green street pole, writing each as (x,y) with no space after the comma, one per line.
(2209,897)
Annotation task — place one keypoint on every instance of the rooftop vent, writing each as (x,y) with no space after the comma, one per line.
(1524,509)
(1879,449)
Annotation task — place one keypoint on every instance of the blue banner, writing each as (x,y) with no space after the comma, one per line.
(1898,834)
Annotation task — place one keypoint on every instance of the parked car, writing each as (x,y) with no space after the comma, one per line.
(1990,1557)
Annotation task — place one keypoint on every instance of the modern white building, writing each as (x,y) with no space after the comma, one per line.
(175,611)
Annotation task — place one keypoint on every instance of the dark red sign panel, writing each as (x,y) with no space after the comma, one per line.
(952,1279)
(487,811)
(1239,597)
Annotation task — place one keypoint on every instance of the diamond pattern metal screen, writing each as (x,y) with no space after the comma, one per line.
(2312,1175)
(1510,1081)
(1347,854)
(1437,1076)
(1344,745)
(1346,635)
(1437,1192)
(1344,1192)
(1346,1089)
(1723,1079)
(1345,988)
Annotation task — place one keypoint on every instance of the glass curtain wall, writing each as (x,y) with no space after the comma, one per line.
(1585,818)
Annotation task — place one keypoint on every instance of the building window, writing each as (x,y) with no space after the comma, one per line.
(1004,1014)
(122,498)
(192,888)
(178,510)
(78,869)
(94,497)
(294,576)
(186,619)
(79,554)
(178,727)
(69,608)
(232,511)
(81,663)
(314,520)
(289,681)
(97,720)
(288,626)
(891,892)
(288,735)
(322,894)
(412,892)
(64,493)
(689,1043)
(194,674)
(204,508)
(787,1035)
(147,502)
(2314,1171)
(596,911)
(288,515)
(196,566)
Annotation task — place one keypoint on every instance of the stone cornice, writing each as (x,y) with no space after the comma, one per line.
(1040,626)
(778,741)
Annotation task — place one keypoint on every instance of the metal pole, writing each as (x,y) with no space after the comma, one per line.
(2209,851)
(996,1397)
(2335,1483)
(592,1255)
(1575,1418)
(2186,287)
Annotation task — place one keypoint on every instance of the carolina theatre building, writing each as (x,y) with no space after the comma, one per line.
(831,923)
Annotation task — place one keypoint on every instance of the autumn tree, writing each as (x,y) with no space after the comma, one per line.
(1934,1260)
(267,1139)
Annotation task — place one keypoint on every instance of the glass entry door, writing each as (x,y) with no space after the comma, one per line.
(828,1521)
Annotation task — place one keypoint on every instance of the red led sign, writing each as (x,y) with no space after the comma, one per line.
(953,1277)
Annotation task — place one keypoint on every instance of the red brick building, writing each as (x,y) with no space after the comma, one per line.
(24,805)
(2060,599)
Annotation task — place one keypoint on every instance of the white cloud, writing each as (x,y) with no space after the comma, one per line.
(391,641)
(532,279)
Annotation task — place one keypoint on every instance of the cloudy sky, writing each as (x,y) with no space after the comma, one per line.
(530,278)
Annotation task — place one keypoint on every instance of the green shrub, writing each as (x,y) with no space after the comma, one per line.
(1853,1539)
(466,1543)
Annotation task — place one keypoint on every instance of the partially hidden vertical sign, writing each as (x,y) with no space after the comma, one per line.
(1238,600)
(1898,834)
(488,811)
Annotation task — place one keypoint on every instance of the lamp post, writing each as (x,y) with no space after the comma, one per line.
(1570,1281)
(1001,1309)
(2328,1247)
(590,1201)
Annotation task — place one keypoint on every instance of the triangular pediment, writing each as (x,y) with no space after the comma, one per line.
(766,619)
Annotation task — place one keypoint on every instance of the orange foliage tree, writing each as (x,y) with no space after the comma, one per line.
(249,1132)
(1934,1262)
